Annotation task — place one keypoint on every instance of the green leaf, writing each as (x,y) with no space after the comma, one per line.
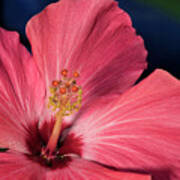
(3,149)
(171,7)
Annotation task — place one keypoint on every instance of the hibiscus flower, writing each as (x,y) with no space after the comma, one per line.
(69,111)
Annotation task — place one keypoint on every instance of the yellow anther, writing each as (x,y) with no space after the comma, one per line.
(52,90)
(66,95)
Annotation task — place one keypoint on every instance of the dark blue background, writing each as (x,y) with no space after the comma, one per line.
(161,33)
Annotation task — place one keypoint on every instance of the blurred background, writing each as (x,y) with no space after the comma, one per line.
(157,21)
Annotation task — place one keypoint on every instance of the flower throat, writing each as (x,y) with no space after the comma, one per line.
(65,99)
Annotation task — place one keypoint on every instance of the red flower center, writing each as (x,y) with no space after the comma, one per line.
(67,146)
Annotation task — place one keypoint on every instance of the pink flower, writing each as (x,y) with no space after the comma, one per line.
(113,131)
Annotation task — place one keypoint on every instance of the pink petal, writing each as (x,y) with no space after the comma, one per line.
(79,169)
(92,37)
(18,167)
(139,130)
(21,91)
